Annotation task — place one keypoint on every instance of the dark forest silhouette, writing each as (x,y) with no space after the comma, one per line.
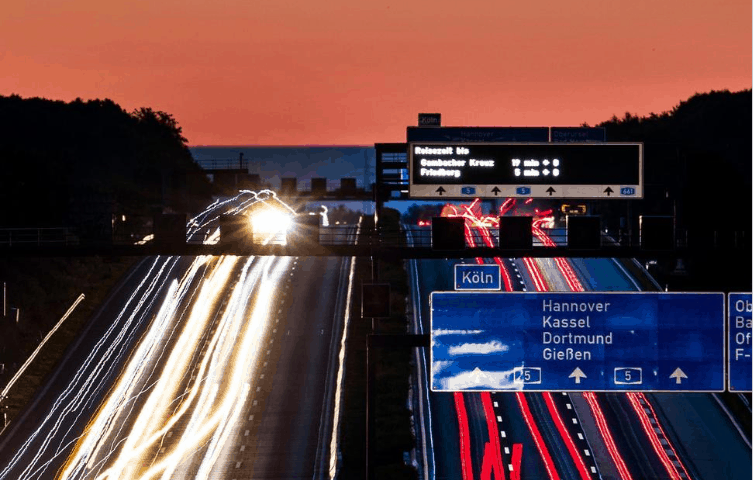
(64,164)
(698,154)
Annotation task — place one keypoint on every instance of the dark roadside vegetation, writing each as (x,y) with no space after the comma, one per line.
(697,167)
(393,434)
(102,173)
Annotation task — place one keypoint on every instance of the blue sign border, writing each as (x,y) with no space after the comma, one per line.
(723,344)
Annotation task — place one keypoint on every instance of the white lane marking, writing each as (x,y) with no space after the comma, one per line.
(265,364)
(581,437)
(568,405)
(259,388)
(274,330)
(586,452)
(251,417)
(510,467)
(246,433)
(170,434)
(500,419)
(594,470)
(564,393)
(268,352)
(255,402)
(502,433)
(238,464)
(261,376)
(507,451)
(575,421)
(243,447)
(495,404)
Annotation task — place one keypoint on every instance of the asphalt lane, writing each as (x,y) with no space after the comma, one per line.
(283,436)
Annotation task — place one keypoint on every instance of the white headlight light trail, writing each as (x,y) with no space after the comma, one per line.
(122,394)
(154,420)
(68,407)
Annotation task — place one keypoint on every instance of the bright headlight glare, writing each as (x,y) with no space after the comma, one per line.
(270,221)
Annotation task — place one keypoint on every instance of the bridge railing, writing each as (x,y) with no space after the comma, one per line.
(37,236)
(223,164)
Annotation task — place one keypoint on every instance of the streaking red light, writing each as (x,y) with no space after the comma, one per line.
(551,407)
(463,436)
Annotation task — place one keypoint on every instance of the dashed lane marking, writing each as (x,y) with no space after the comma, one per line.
(502,433)
(246,433)
(568,406)
(251,417)
(581,437)
(574,421)
(238,464)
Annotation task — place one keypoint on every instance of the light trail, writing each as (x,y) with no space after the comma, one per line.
(69,405)
(493,457)
(463,436)
(552,408)
(538,440)
(34,354)
(601,422)
(106,439)
(333,467)
(664,459)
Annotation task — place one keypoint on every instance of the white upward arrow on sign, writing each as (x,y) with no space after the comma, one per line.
(678,375)
(577,374)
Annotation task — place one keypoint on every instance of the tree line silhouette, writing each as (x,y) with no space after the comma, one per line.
(63,161)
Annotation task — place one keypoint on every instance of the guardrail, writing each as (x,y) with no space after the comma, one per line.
(37,236)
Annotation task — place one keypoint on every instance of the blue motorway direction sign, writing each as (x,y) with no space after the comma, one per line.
(739,342)
(612,341)
(477,277)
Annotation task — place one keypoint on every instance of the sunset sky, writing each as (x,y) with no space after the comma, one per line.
(345,72)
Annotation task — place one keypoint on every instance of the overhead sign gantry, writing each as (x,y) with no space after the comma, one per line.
(543,170)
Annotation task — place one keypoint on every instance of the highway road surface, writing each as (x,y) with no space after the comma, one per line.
(206,367)
(612,436)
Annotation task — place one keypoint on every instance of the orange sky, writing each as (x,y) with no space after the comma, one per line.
(266,72)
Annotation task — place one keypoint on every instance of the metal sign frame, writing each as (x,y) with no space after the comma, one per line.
(724,320)
(440,190)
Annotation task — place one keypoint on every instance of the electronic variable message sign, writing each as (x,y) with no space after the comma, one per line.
(612,341)
(739,342)
(548,170)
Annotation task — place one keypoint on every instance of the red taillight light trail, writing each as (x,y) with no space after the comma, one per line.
(599,418)
(566,437)
(494,443)
(463,436)
(538,440)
